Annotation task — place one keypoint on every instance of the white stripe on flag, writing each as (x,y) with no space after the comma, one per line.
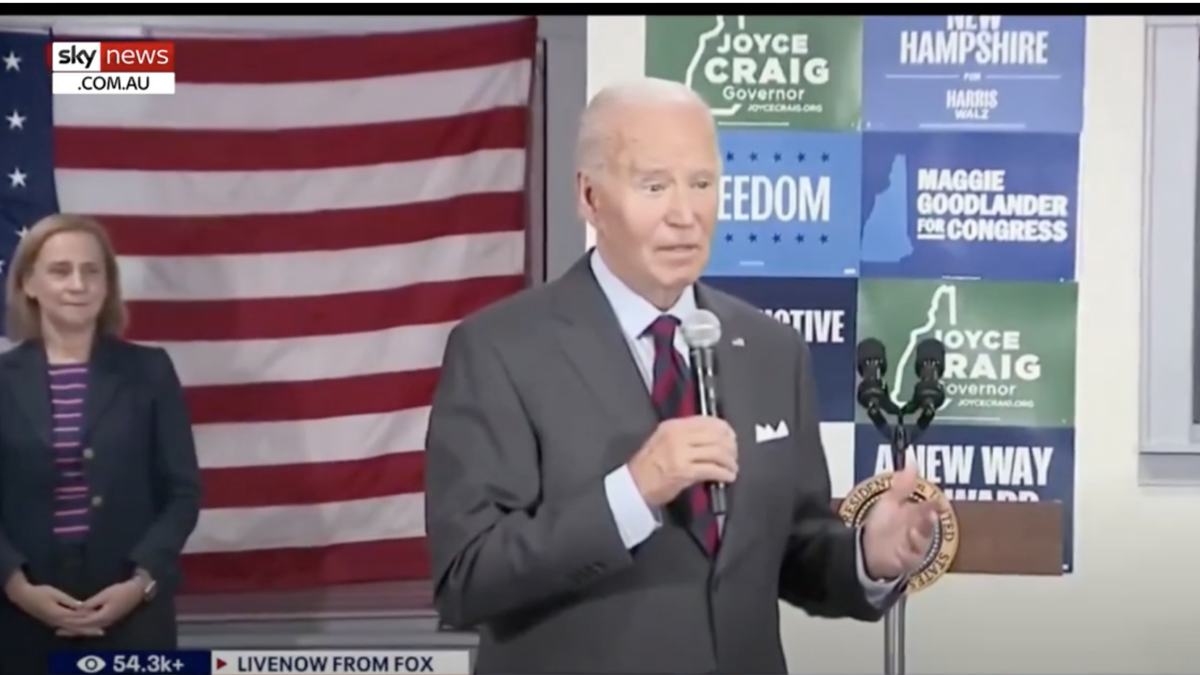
(322,273)
(101,192)
(304,359)
(335,439)
(269,527)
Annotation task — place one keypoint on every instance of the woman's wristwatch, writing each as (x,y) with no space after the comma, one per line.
(149,585)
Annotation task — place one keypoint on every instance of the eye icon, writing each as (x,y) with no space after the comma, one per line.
(91,664)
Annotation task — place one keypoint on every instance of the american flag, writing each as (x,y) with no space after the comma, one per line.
(300,225)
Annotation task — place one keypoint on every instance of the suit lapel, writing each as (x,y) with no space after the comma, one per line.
(104,380)
(734,381)
(31,388)
(590,337)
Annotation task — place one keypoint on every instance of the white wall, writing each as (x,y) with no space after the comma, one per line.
(1131,605)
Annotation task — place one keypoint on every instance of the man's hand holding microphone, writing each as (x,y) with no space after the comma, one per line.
(681,453)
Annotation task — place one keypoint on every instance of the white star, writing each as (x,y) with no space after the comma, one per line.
(15,121)
(12,62)
(22,232)
(17,178)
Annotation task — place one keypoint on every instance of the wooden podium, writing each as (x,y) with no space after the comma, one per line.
(1017,538)
(1024,538)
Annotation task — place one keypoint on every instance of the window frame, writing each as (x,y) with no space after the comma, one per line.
(1169,440)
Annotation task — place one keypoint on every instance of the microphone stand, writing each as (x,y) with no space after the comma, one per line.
(901,437)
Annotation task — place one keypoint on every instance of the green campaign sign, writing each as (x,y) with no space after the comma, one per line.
(764,71)
(1010,347)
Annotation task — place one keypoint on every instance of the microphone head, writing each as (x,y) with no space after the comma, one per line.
(701,329)
(871,349)
(931,351)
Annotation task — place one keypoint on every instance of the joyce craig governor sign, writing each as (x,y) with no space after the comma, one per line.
(999,73)
(764,71)
(970,205)
(1010,346)
(986,464)
(789,204)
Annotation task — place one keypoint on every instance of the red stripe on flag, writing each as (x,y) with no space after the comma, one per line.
(135,149)
(317,231)
(321,399)
(315,483)
(211,61)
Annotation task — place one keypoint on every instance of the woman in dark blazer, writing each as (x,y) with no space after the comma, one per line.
(99,483)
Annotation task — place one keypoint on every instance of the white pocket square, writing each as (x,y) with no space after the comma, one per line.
(767,432)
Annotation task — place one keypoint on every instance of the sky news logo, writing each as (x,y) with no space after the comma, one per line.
(131,67)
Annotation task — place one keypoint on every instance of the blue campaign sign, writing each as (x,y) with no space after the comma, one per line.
(789,205)
(970,205)
(975,463)
(823,311)
(1000,73)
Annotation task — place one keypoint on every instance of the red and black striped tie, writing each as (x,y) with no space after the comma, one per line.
(671,392)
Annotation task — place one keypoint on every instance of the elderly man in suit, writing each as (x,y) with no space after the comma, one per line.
(565,502)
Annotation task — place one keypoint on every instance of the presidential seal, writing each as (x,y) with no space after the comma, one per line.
(862,498)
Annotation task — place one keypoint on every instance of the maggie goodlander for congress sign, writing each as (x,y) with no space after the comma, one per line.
(986,464)
(1010,346)
(764,71)
(970,205)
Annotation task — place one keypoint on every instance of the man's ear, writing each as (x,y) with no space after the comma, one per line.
(587,194)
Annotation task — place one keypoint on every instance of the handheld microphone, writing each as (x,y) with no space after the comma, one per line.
(701,332)
(871,360)
(930,365)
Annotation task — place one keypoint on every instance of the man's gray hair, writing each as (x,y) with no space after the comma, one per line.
(594,128)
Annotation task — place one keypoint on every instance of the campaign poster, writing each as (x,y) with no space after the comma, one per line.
(970,206)
(789,205)
(994,73)
(799,72)
(822,312)
(992,464)
(1010,346)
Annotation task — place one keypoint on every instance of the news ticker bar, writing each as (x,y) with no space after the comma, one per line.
(264,662)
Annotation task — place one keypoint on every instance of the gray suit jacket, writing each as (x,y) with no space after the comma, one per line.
(538,400)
